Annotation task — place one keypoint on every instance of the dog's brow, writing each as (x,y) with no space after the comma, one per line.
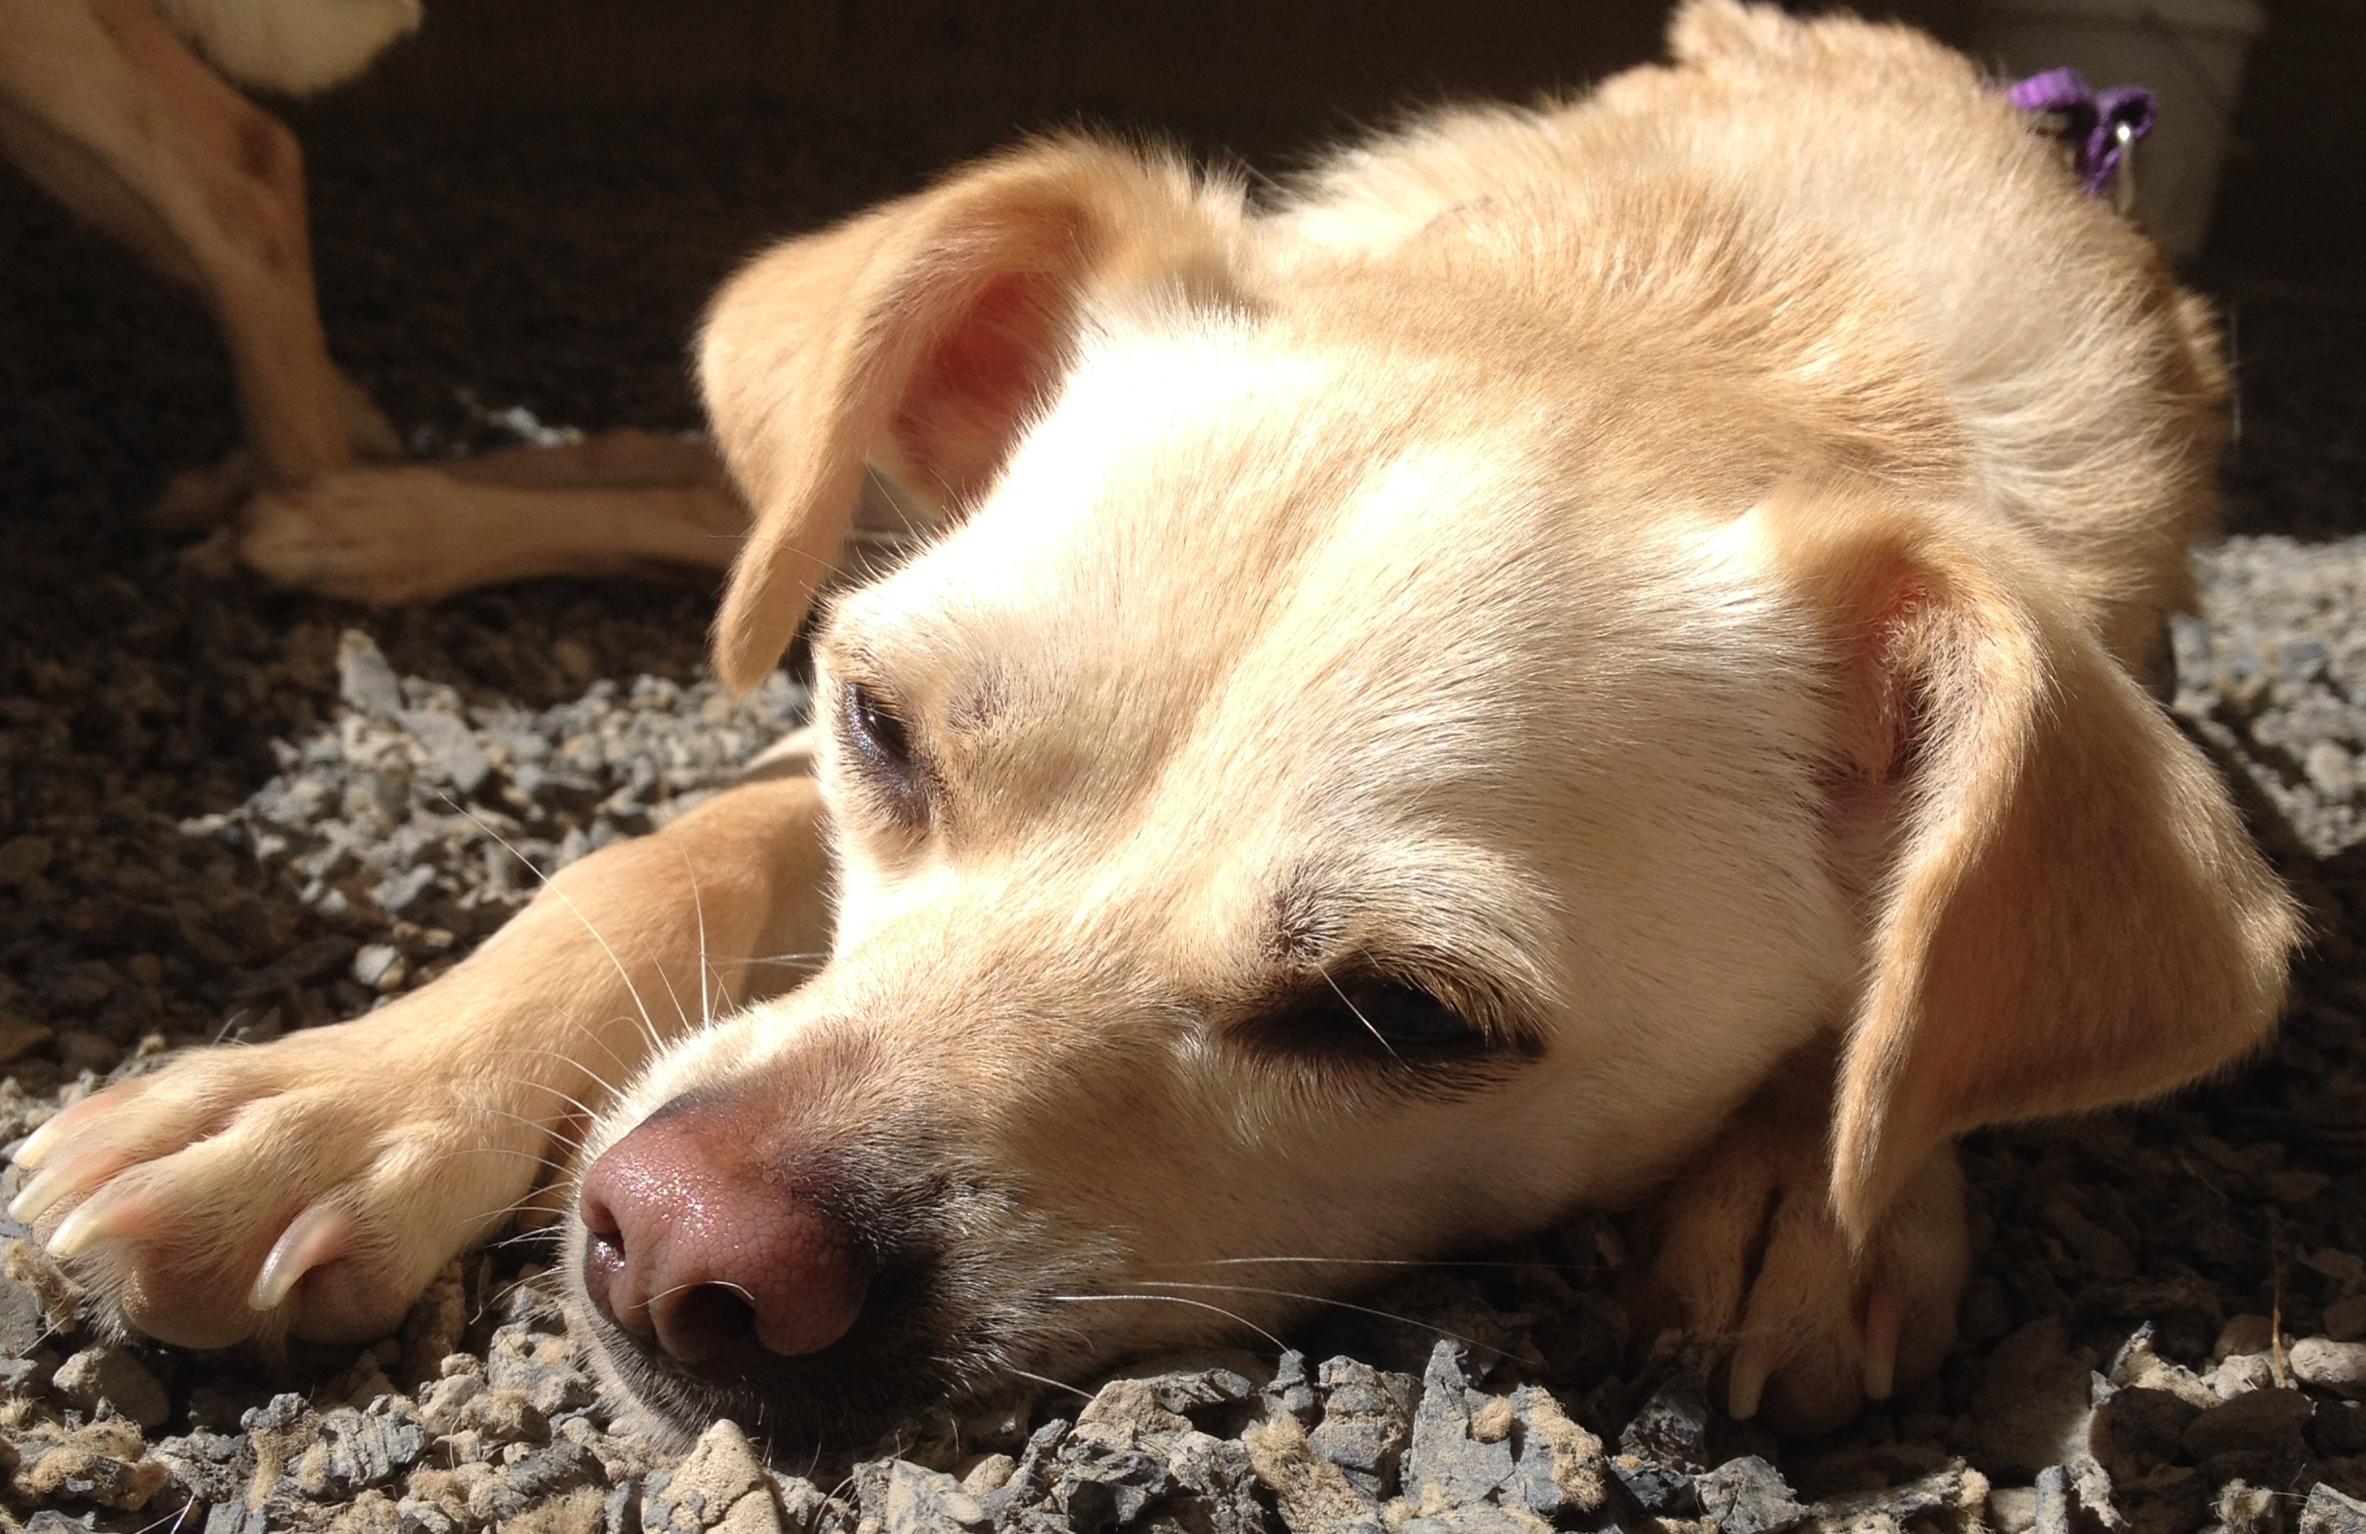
(1315,928)
(975,704)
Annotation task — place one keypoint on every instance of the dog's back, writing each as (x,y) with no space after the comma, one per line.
(1849,216)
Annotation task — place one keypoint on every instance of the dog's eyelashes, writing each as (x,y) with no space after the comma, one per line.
(885,755)
(1370,1017)
(1405,1016)
(876,731)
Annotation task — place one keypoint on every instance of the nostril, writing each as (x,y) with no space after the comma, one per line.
(699,1322)
(603,1272)
(599,1219)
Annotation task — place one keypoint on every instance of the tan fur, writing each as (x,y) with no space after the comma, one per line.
(1662,574)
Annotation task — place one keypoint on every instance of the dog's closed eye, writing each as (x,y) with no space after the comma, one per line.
(886,759)
(1366,1015)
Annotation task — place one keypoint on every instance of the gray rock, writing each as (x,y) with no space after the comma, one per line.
(1125,1411)
(2011,1510)
(2336,1366)
(423,1518)
(364,680)
(621,1513)
(1953,1489)
(720,1484)
(2053,1515)
(380,966)
(1200,1393)
(907,1499)
(1672,1427)
(22,1321)
(109,1377)
(506,1416)
(1748,1496)
(361,1449)
(541,1367)
(1220,1481)
(2331,770)
(211,1467)
(563,1467)
(1108,1488)
(1030,1483)
(1313,1495)
(1367,1424)
(2330,1512)
(1446,1465)
(284,1411)
(453,746)
(1467,1520)
(1291,1391)
(1562,1471)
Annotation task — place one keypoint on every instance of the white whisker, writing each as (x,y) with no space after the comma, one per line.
(577,1103)
(648,1023)
(1358,1015)
(701,1283)
(1171,1299)
(1396,1262)
(1324,1299)
(598,1080)
(1045,1379)
(706,1002)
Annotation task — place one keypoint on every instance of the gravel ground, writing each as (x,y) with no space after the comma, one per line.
(225,812)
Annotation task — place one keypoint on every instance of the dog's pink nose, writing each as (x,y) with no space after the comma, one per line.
(694,1243)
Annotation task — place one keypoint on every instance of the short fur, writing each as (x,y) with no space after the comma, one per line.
(1667,574)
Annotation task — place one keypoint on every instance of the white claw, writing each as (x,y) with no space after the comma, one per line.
(38,1143)
(1882,1326)
(98,1218)
(36,1197)
(1746,1381)
(320,1234)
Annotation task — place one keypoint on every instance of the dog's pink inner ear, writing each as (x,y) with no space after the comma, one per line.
(974,384)
(1881,696)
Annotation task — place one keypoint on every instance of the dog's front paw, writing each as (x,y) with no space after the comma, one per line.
(313,1185)
(1743,1248)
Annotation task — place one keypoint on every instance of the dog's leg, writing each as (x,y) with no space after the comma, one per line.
(420,532)
(316,1184)
(111,113)
(611,460)
(619,503)
(1742,1249)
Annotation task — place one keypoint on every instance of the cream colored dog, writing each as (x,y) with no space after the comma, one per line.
(1588,657)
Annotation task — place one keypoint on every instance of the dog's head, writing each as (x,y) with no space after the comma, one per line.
(1373,763)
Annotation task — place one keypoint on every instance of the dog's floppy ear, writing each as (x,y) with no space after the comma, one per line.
(915,338)
(2070,914)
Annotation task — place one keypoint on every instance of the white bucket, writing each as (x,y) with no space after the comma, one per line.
(2190,52)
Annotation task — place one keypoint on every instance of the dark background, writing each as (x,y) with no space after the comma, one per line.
(526,205)
(1267,76)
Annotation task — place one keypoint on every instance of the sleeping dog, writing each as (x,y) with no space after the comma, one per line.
(1584,658)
